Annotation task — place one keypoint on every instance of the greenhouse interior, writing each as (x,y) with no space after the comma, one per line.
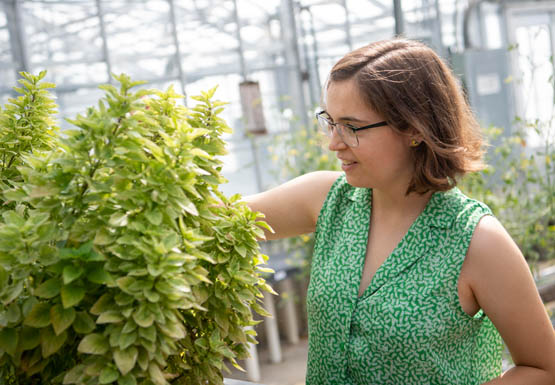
(261,67)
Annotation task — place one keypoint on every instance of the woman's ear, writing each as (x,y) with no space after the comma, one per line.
(414,138)
(414,142)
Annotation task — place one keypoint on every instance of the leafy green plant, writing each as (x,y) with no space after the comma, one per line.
(27,125)
(120,261)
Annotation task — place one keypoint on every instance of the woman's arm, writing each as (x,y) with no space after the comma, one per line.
(503,286)
(293,207)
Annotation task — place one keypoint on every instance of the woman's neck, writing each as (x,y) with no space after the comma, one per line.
(396,205)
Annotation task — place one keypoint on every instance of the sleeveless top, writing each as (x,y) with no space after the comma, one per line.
(408,327)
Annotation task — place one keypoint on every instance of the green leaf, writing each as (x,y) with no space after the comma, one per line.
(61,318)
(30,338)
(108,375)
(83,323)
(49,288)
(39,316)
(103,238)
(143,317)
(28,305)
(125,359)
(94,344)
(110,316)
(129,326)
(148,333)
(72,295)
(13,313)
(143,359)
(241,250)
(8,340)
(127,339)
(50,342)
(128,379)
(13,218)
(104,303)
(188,206)
(156,375)
(173,330)
(154,217)
(260,310)
(71,273)
(99,275)
(75,375)
(118,220)
(43,191)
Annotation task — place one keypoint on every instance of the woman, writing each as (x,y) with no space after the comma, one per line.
(411,281)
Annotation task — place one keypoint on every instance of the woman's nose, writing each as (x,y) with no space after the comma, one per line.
(336,143)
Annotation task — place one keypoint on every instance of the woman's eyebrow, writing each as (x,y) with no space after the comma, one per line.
(351,119)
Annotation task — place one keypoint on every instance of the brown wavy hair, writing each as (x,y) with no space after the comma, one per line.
(411,87)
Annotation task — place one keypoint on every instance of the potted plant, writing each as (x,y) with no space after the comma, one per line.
(120,260)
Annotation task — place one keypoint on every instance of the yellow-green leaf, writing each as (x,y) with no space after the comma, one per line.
(94,344)
(50,342)
(83,323)
(30,338)
(8,340)
(61,318)
(108,375)
(39,316)
(125,359)
(49,288)
(71,273)
(72,295)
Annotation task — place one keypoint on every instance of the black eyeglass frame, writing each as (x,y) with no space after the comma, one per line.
(355,129)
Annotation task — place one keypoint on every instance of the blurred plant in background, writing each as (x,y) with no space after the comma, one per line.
(518,185)
(296,153)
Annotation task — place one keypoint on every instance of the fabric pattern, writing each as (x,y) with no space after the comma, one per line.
(408,326)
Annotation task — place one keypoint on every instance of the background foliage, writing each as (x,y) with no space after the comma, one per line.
(120,261)
(519,186)
(296,153)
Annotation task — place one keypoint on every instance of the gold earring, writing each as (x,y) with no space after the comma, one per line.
(414,143)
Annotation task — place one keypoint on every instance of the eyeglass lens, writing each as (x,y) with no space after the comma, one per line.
(347,135)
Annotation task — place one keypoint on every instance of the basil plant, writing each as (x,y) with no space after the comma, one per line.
(120,260)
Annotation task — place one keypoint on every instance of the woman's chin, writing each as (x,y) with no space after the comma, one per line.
(357,182)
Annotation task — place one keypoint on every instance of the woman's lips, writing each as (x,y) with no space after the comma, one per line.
(347,165)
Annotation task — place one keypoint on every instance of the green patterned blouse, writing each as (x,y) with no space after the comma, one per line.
(408,327)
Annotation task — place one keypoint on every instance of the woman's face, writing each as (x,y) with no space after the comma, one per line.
(382,159)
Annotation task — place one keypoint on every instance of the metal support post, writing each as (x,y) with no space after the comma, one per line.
(105,51)
(244,75)
(348,38)
(292,57)
(253,368)
(438,29)
(291,321)
(17,36)
(398,14)
(306,57)
(315,54)
(239,42)
(272,329)
(180,71)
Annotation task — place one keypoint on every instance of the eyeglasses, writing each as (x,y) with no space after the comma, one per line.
(347,132)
